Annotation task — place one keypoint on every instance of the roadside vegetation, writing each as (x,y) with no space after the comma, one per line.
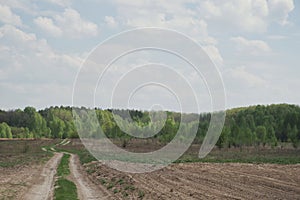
(15,153)
(64,188)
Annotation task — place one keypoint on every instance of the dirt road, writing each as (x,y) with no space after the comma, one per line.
(85,188)
(44,184)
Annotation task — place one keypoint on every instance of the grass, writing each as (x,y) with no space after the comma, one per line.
(65,189)
(83,154)
(274,156)
(246,155)
(141,194)
(233,155)
(63,168)
(23,152)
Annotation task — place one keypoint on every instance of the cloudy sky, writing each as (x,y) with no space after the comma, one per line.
(254,43)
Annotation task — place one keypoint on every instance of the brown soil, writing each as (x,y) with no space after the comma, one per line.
(205,181)
(43,186)
(86,189)
(12,184)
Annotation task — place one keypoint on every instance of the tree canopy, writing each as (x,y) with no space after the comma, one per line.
(247,126)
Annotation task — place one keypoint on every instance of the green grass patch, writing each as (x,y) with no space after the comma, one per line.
(65,189)
(63,168)
(257,156)
(83,154)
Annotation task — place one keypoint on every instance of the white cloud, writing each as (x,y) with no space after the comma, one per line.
(73,25)
(25,6)
(253,47)
(69,24)
(15,35)
(32,71)
(110,21)
(46,24)
(25,45)
(63,3)
(249,16)
(8,17)
(214,54)
(163,14)
(29,66)
(279,10)
(246,78)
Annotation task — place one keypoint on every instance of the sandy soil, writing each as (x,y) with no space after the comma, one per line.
(44,184)
(212,181)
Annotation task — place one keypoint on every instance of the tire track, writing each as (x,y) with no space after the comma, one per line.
(85,189)
(44,187)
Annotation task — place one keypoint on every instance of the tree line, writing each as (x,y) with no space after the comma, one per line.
(259,125)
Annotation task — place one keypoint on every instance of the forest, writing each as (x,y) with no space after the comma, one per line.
(260,125)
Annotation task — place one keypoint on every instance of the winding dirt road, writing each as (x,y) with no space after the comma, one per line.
(44,184)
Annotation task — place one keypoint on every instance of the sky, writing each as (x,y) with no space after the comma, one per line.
(255,45)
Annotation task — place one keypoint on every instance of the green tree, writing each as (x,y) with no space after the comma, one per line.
(36,123)
(223,139)
(57,127)
(271,138)
(293,136)
(5,131)
(261,133)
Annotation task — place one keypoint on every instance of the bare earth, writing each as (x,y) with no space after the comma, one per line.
(12,184)
(44,184)
(222,181)
(85,188)
(211,181)
(36,182)
(178,181)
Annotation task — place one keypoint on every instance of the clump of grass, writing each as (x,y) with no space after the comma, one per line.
(141,194)
(120,181)
(110,185)
(116,191)
(103,181)
(125,194)
(129,187)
